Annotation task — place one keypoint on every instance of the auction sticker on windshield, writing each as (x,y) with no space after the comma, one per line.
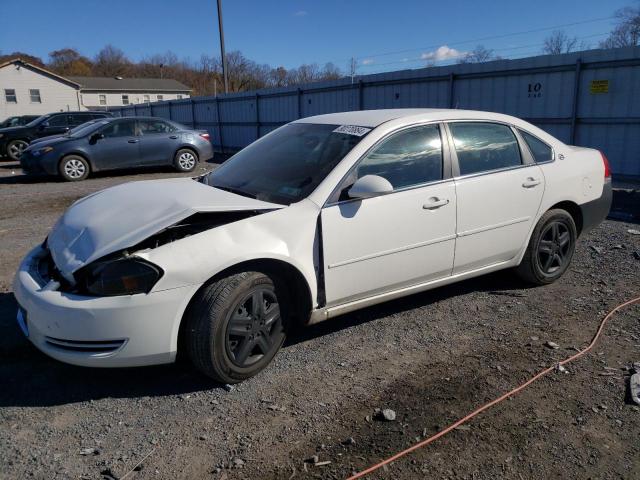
(352,130)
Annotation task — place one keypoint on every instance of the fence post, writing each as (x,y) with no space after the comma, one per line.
(219,125)
(299,103)
(360,94)
(193,112)
(451,80)
(170,112)
(574,107)
(257,116)
(151,108)
(135,110)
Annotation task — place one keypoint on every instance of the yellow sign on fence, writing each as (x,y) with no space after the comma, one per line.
(599,86)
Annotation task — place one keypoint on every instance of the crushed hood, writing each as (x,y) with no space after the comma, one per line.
(123,216)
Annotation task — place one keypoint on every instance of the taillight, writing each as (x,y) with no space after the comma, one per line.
(607,167)
(206,136)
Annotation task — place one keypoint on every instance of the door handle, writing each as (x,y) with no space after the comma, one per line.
(173,137)
(531,182)
(435,202)
(134,140)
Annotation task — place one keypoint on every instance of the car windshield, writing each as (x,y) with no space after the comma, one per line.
(85,128)
(287,165)
(37,121)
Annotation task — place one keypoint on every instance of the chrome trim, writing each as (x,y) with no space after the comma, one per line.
(493,227)
(392,251)
(491,172)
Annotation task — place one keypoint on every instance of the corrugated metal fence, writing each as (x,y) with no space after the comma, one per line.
(589,98)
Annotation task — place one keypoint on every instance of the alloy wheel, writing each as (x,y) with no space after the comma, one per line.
(554,248)
(255,328)
(74,168)
(187,160)
(16,148)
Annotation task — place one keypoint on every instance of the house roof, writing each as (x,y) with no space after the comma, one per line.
(130,84)
(44,71)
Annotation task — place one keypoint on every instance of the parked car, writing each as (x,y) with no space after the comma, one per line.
(322,216)
(17,121)
(14,140)
(117,143)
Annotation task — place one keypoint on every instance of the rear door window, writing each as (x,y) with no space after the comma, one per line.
(149,127)
(484,147)
(541,151)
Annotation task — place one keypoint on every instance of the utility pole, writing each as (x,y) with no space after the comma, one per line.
(223,56)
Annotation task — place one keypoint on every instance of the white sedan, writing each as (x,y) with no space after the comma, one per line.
(323,216)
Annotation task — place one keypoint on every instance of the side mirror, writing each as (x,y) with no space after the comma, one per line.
(43,125)
(370,186)
(95,137)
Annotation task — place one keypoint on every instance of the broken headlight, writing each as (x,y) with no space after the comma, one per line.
(121,276)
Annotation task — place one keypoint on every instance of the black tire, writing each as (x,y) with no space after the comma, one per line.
(74,168)
(550,248)
(222,326)
(15,148)
(185,160)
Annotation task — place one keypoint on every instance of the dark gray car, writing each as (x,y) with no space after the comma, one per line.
(115,144)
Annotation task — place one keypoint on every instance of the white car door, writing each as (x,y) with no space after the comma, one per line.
(499,190)
(401,238)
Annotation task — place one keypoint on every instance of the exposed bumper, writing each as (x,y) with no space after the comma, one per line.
(123,331)
(594,212)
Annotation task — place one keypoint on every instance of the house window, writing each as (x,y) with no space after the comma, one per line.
(179,96)
(10,95)
(34,94)
(160,98)
(146,98)
(125,99)
(102,99)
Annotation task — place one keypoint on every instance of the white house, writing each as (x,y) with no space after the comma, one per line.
(27,89)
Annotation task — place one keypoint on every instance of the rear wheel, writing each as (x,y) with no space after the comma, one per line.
(74,168)
(235,327)
(550,248)
(185,160)
(15,149)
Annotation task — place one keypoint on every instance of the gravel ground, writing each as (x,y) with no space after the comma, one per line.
(431,358)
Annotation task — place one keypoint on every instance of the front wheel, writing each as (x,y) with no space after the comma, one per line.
(185,160)
(15,149)
(235,327)
(550,248)
(74,168)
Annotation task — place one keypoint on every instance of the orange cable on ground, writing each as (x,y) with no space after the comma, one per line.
(486,406)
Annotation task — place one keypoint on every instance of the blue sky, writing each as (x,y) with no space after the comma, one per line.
(292,32)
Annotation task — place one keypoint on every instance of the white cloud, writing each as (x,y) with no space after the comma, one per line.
(301,13)
(442,53)
(367,61)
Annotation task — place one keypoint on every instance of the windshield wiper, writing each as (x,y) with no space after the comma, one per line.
(234,190)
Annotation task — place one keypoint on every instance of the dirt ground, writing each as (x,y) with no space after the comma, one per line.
(431,358)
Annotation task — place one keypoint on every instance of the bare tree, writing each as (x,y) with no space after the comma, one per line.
(111,62)
(627,32)
(559,42)
(478,55)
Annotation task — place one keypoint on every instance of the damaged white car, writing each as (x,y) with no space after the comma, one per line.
(322,216)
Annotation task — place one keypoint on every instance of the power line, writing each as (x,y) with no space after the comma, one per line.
(464,54)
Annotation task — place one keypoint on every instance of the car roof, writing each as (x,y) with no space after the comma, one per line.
(373,118)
